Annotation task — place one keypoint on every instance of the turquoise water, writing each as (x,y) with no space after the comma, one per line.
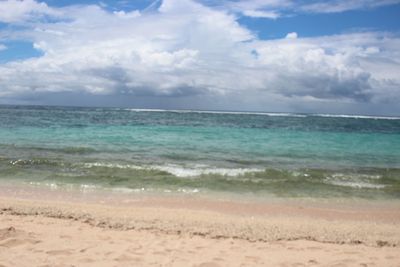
(191,152)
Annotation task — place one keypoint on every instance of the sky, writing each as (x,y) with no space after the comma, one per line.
(338,56)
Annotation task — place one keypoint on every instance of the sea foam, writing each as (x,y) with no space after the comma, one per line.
(179,171)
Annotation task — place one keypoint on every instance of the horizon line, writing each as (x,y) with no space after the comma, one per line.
(238,112)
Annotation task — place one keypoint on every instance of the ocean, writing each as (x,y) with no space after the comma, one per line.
(163,152)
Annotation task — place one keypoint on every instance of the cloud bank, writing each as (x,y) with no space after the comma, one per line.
(187,49)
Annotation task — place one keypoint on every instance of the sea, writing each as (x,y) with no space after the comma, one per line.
(190,152)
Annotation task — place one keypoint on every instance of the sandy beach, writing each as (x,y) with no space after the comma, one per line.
(41,229)
(199,133)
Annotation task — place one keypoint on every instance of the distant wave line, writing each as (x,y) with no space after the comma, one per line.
(272,114)
(219,112)
(356,116)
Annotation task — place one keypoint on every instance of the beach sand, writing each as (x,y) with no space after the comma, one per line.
(51,229)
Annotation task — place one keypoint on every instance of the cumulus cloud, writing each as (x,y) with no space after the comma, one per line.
(2,47)
(335,67)
(184,49)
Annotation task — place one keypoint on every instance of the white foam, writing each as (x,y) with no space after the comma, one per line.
(272,114)
(52,186)
(357,184)
(179,171)
(188,191)
(357,176)
(354,180)
(193,172)
(113,165)
(125,190)
(88,188)
(356,116)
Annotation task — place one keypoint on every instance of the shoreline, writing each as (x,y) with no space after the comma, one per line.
(352,209)
(372,223)
(62,228)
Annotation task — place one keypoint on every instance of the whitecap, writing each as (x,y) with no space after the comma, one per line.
(354,180)
(359,184)
(179,171)
(356,116)
(272,114)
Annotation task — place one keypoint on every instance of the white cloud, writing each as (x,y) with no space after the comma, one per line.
(273,9)
(124,14)
(345,5)
(261,14)
(12,11)
(269,9)
(2,47)
(291,35)
(201,51)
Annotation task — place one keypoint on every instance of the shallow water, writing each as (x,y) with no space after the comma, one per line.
(264,154)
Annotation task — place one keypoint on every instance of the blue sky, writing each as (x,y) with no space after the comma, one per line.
(257,55)
(386,18)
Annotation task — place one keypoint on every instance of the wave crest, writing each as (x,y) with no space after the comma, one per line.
(180,171)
